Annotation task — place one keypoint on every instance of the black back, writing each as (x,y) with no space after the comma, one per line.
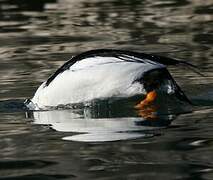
(141,57)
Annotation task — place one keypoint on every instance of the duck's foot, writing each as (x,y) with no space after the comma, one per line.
(146,109)
(150,98)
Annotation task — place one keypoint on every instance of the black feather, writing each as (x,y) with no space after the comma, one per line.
(122,54)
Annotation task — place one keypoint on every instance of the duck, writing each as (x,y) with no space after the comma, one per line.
(106,73)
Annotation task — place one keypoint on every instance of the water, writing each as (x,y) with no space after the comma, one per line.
(104,141)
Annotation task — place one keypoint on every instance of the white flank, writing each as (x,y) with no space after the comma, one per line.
(93,78)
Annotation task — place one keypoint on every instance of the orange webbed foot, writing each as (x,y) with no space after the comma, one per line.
(146,109)
(150,98)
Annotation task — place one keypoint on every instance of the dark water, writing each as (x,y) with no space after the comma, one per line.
(104,141)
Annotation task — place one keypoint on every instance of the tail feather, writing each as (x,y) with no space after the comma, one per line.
(170,61)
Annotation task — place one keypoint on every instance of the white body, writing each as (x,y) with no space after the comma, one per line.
(93,78)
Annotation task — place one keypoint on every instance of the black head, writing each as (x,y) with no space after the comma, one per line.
(159,79)
(152,80)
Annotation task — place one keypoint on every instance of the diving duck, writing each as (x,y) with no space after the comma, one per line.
(106,73)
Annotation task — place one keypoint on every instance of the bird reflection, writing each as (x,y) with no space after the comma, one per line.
(90,124)
(149,112)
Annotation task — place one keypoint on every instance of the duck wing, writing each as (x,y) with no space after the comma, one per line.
(128,56)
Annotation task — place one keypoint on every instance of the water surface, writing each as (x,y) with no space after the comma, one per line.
(104,142)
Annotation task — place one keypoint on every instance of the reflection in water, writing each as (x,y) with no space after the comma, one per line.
(95,126)
(148,113)
(94,129)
